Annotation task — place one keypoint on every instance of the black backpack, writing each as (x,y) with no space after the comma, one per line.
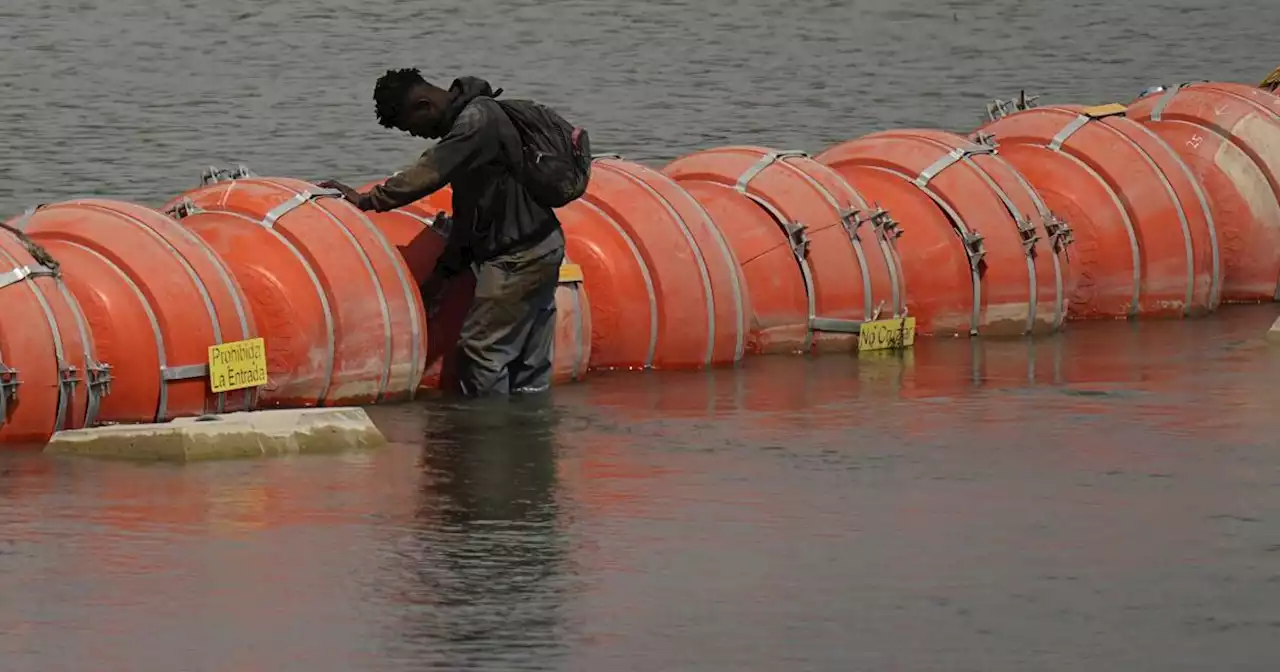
(556,163)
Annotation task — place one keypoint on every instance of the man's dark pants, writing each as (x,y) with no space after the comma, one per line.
(507,337)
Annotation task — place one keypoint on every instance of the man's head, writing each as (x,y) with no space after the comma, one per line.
(406,101)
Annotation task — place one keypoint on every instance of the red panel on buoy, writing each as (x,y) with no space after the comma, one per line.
(355,331)
(848,268)
(1173,238)
(1228,135)
(155,297)
(651,258)
(50,375)
(1012,281)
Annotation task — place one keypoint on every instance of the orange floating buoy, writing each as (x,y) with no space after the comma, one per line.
(645,244)
(337,306)
(1172,236)
(813,272)
(983,252)
(409,228)
(624,310)
(50,376)
(1226,133)
(155,298)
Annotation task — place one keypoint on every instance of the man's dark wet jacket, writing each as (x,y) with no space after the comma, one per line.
(492,212)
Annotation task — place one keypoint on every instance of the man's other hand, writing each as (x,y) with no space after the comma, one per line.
(351,195)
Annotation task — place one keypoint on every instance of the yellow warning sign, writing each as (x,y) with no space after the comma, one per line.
(235,366)
(570,273)
(891,334)
(1100,111)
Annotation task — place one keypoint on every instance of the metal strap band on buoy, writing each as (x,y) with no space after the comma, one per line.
(1188,243)
(644,274)
(849,222)
(307,195)
(704,273)
(1215,284)
(1157,110)
(325,308)
(797,239)
(162,403)
(768,159)
(242,313)
(97,374)
(16,275)
(67,373)
(409,291)
(947,160)
(973,242)
(1135,251)
(1059,234)
(1026,235)
(196,280)
(726,251)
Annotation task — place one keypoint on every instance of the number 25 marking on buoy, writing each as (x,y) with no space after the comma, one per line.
(1194,142)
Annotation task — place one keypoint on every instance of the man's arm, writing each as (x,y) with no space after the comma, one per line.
(469,143)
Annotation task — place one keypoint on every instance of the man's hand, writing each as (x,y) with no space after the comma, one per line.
(351,195)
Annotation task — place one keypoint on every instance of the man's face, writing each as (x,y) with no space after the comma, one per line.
(421,116)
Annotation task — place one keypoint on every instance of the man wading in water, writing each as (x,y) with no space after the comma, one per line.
(510,163)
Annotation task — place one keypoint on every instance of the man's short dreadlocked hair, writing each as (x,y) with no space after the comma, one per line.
(390,92)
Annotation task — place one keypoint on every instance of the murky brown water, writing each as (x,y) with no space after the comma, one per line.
(1107,500)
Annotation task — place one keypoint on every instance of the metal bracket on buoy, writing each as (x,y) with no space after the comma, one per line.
(852,220)
(68,378)
(985,139)
(8,389)
(885,224)
(214,174)
(1027,233)
(99,375)
(1060,234)
(184,208)
(14,276)
(974,247)
(798,237)
(999,109)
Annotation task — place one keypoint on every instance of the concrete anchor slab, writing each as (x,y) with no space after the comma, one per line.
(1273,334)
(229,436)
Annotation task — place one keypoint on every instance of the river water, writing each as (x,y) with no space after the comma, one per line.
(1108,499)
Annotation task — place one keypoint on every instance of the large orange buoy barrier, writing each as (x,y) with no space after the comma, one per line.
(50,376)
(1166,207)
(817,258)
(665,287)
(1228,134)
(984,257)
(1145,188)
(338,308)
(155,298)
